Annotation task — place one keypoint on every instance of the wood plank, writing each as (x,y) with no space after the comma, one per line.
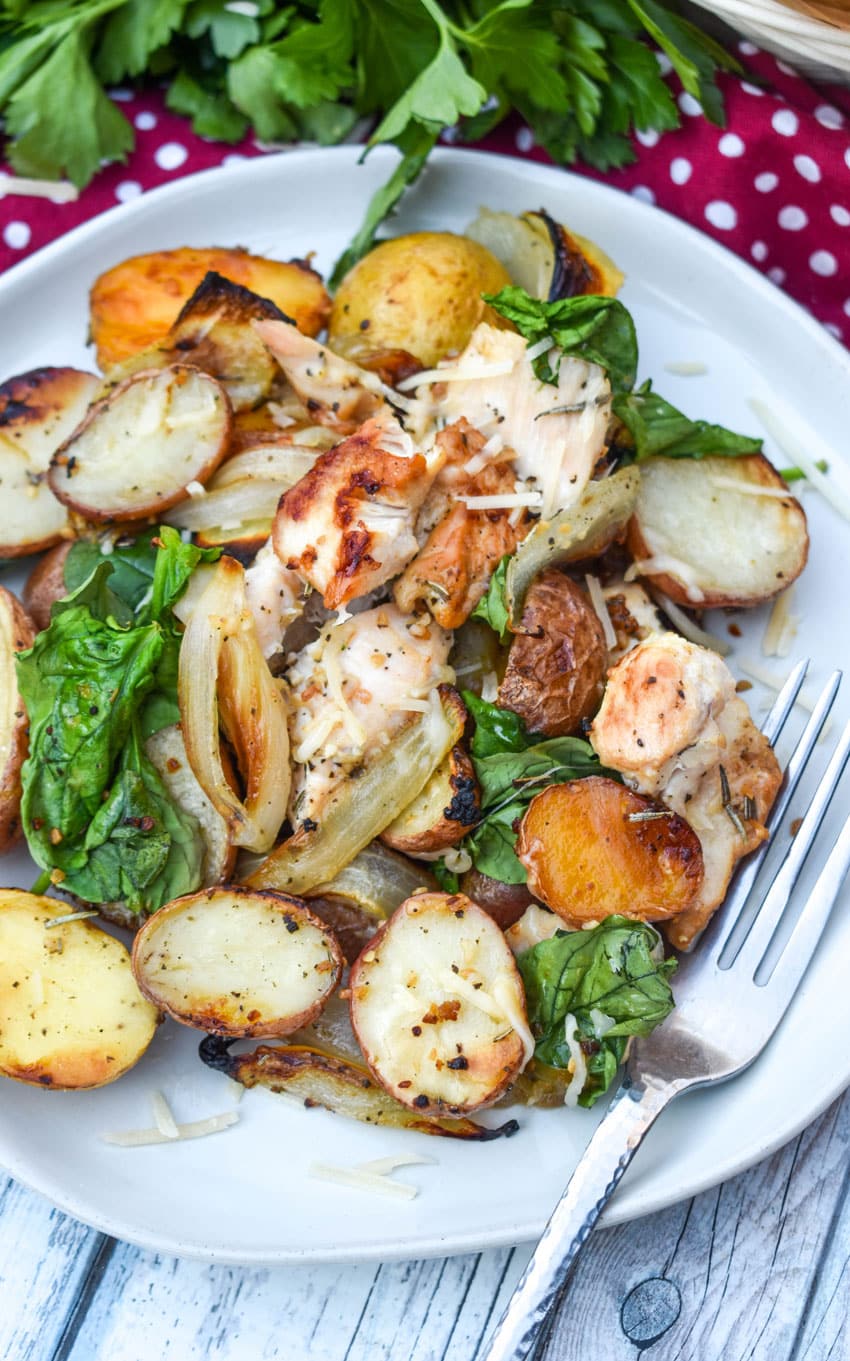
(405,1311)
(739,1262)
(45,1258)
(824,1330)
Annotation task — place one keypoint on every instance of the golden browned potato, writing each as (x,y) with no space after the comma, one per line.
(134,304)
(46,584)
(71,1015)
(144,447)
(556,665)
(16,633)
(703,534)
(38,411)
(593,848)
(505,903)
(237,962)
(419,293)
(443,813)
(438,1006)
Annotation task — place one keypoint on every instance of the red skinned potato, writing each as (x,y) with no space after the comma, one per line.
(505,903)
(443,813)
(717,531)
(234,961)
(593,848)
(438,1006)
(46,584)
(556,665)
(16,633)
(142,447)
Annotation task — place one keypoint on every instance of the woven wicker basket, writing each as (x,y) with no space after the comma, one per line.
(812,45)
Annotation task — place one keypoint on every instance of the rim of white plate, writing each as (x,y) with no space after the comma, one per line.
(627,1205)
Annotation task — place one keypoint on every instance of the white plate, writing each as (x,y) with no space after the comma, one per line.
(245,1195)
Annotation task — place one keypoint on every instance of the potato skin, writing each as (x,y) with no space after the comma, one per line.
(763,580)
(134,304)
(443,813)
(419,293)
(586,860)
(556,666)
(505,903)
(16,633)
(46,584)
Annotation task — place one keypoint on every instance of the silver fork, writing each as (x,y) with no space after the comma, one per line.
(728,1004)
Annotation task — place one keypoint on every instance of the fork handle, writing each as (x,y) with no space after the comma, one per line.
(636,1105)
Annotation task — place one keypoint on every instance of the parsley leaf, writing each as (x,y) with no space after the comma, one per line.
(133,33)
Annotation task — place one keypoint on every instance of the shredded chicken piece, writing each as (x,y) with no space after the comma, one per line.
(557,432)
(334,391)
(274,595)
(673,726)
(348,692)
(453,569)
(348,525)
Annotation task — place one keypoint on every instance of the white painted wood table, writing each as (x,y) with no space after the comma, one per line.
(756,1270)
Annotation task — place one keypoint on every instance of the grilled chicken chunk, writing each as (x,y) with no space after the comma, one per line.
(274,595)
(673,726)
(453,569)
(347,526)
(334,391)
(558,432)
(355,687)
(633,616)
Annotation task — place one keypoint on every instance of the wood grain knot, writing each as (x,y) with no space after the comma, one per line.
(649,1310)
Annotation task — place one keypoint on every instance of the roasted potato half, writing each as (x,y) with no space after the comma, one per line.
(438,1006)
(593,848)
(38,411)
(141,448)
(71,1014)
(556,666)
(214,333)
(419,293)
(233,961)
(443,813)
(505,903)
(717,531)
(16,633)
(135,304)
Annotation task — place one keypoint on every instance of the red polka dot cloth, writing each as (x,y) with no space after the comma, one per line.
(774,186)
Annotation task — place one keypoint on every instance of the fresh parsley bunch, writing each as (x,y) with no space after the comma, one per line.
(579,71)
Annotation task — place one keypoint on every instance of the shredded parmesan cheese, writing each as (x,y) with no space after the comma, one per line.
(540,347)
(753,668)
(56,191)
(379,1167)
(687,368)
(333,675)
(665,562)
(457,374)
(502,501)
(196,488)
(457,861)
(507,1000)
(687,627)
(749,488)
(597,600)
(797,440)
(781,626)
(163,1118)
(578,1065)
(601,1023)
(195,1129)
(360,1180)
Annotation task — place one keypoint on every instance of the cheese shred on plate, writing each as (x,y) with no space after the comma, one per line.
(578,1064)
(597,600)
(195,1129)
(361,1180)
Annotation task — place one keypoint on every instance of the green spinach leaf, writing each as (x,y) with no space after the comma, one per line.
(656,428)
(591,327)
(612,980)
